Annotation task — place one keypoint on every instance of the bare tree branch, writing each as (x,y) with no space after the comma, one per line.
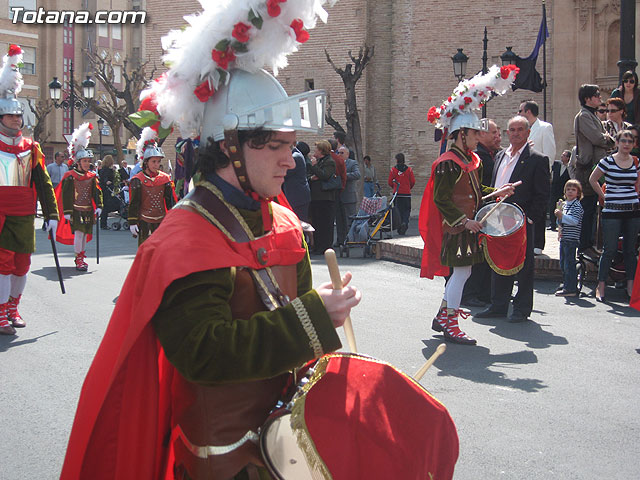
(329,118)
(40,109)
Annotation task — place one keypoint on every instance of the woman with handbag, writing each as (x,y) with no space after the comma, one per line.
(325,186)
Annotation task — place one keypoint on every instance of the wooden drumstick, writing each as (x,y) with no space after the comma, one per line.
(493,194)
(493,209)
(439,351)
(336,281)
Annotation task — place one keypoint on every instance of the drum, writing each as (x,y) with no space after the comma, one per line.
(359,417)
(503,237)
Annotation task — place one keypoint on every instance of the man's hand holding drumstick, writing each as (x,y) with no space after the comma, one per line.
(505,191)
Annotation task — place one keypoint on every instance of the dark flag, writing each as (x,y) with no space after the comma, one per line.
(529,78)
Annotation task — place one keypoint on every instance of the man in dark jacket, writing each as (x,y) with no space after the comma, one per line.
(296,187)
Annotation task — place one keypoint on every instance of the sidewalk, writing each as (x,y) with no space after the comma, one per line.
(408,250)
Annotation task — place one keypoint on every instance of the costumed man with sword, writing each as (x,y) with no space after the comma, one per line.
(23,178)
(454,194)
(198,349)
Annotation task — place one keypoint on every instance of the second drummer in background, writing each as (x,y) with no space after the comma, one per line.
(453,196)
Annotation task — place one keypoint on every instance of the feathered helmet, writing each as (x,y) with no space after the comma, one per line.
(147,146)
(456,112)
(215,85)
(80,141)
(11,82)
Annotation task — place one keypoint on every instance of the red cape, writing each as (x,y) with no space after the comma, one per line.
(430,219)
(63,233)
(122,417)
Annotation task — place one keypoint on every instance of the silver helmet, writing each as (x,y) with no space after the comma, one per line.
(257,100)
(83,153)
(10,105)
(468,120)
(153,150)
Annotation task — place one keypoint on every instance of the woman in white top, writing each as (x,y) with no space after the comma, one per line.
(621,212)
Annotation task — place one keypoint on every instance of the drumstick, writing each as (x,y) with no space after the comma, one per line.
(493,209)
(439,351)
(493,194)
(336,281)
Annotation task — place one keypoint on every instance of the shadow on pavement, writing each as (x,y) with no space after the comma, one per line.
(51,274)
(9,341)
(474,363)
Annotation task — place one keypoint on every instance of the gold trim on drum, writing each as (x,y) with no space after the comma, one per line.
(205,451)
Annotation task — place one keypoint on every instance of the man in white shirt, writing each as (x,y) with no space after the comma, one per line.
(541,134)
(57,168)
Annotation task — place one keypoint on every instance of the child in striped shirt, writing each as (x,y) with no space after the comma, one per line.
(570,224)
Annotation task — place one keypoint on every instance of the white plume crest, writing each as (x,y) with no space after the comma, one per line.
(189,51)
(472,94)
(10,77)
(147,134)
(80,139)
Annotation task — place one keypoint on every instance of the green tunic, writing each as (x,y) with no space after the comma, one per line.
(18,233)
(458,249)
(80,221)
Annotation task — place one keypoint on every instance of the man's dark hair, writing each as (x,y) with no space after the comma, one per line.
(333,143)
(212,158)
(587,91)
(400,158)
(58,154)
(303,148)
(340,136)
(532,107)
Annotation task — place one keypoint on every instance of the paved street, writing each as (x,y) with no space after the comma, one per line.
(556,398)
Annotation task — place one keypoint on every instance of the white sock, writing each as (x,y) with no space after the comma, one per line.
(77,242)
(17,285)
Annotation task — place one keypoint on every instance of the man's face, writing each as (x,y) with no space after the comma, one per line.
(124,164)
(58,159)
(491,138)
(518,133)
(343,152)
(601,112)
(595,101)
(12,121)
(565,157)
(525,113)
(84,164)
(267,166)
(472,137)
(153,164)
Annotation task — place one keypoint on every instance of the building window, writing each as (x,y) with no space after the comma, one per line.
(103,30)
(117,74)
(25,4)
(28,60)
(116,32)
(309,84)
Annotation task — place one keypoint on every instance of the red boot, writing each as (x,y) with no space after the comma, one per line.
(452,332)
(440,321)
(5,326)
(84,264)
(12,312)
(81,266)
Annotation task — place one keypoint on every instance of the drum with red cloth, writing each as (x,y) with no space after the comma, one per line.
(358,417)
(503,237)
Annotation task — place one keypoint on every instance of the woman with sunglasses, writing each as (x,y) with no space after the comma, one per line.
(616,115)
(621,212)
(628,92)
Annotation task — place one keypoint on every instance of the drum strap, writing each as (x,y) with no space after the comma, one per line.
(266,283)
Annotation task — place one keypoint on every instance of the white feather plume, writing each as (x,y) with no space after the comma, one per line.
(80,139)
(147,134)
(10,77)
(189,51)
(472,94)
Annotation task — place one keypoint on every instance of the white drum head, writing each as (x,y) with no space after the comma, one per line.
(504,220)
(283,458)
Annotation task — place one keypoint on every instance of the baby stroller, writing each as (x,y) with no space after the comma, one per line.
(122,199)
(375,216)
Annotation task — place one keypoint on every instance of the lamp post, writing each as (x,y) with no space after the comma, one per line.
(508,57)
(460,64)
(100,123)
(72,101)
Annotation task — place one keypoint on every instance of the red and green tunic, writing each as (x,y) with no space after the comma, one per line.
(79,195)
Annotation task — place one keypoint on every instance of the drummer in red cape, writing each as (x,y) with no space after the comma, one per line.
(199,347)
(152,192)
(454,194)
(519,162)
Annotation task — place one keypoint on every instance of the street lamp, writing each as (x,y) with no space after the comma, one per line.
(72,101)
(508,57)
(100,123)
(460,64)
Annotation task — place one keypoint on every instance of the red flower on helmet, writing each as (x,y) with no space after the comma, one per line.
(301,34)
(467,100)
(149,103)
(273,7)
(449,99)
(449,114)
(91,126)
(433,115)
(223,58)
(14,50)
(505,70)
(241,32)
(461,107)
(204,91)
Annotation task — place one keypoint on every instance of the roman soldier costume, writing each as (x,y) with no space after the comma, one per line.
(23,179)
(152,194)
(79,198)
